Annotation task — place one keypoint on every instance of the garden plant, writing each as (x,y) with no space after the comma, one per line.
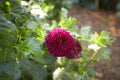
(38,41)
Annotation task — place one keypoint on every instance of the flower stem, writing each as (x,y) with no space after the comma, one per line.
(91,59)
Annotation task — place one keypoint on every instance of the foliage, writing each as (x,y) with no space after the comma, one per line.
(23,54)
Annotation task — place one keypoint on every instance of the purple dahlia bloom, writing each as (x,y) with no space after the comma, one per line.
(60,43)
(76,51)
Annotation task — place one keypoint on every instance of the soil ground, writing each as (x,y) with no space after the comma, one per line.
(102,20)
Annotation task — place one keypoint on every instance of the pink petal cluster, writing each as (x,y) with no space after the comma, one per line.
(60,43)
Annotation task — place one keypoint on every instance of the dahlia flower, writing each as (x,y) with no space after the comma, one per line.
(60,43)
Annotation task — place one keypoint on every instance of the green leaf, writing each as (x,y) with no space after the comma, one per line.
(44,58)
(34,45)
(91,72)
(31,25)
(49,58)
(25,64)
(12,70)
(8,34)
(86,34)
(38,72)
(34,69)
(1,68)
(29,47)
(67,22)
(64,12)
(70,22)
(106,54)
(105,36)
(81,71)
(19,16)
(2,19)
(78,77)
(54,24)
(7,25)
(85,76)
(85,30)
(103,39)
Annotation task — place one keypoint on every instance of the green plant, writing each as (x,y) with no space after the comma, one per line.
(23,53)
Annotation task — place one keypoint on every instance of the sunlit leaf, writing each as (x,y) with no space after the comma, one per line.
(103,39)
(67,22)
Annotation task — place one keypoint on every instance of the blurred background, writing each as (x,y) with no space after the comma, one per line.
(101,15)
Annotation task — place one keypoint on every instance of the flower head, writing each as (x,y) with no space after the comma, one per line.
(60,43)
(76,51)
